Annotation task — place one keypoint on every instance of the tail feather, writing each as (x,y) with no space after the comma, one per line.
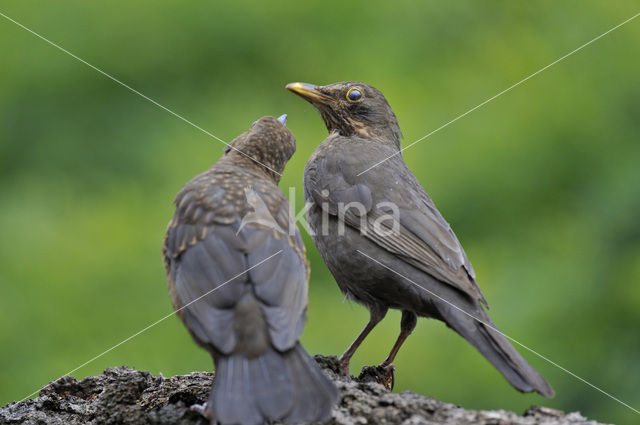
(274,386)
(315,394)
(483,335)
(231,400)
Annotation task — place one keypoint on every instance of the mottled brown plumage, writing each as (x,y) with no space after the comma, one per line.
(240,285)
(411,261)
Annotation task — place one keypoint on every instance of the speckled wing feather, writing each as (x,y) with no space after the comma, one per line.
(422,237)
(207,250)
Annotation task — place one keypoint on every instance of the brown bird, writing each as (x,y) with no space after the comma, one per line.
(382,237)
(238,277)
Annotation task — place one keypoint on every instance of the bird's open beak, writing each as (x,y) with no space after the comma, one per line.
(309,92)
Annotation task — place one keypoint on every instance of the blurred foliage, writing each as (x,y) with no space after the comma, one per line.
(541,185)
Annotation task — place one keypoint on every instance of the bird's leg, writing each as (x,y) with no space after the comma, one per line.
(407,325)
(376,315)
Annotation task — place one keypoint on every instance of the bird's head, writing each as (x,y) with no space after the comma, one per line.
(267,145)
(352,109)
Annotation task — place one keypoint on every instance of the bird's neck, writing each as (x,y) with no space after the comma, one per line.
(254,164)
(382,135)
(383,132)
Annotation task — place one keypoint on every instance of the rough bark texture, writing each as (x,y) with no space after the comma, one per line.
(127,396)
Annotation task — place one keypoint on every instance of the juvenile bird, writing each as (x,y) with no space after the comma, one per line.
(382,237)
(238,277)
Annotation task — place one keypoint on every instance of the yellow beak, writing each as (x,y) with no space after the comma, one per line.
(309,92)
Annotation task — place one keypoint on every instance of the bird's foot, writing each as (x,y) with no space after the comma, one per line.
(383,375)
(203,409)
(389,375)
(344,367)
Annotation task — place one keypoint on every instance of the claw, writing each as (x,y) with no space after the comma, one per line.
(390,378)
(202,409)
(384,374)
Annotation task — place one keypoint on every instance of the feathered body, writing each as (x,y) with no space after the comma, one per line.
(240,288)
(384,240)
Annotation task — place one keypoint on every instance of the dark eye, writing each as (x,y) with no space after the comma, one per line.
(354,95)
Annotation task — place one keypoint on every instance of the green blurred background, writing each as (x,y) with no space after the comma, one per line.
(542,185)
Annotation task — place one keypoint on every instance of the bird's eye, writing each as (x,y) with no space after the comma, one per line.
(354,95)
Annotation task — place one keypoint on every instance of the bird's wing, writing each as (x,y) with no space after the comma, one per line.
(212,273)
(396,213)
(281,285)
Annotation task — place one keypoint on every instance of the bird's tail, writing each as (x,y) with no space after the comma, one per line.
(483,335)
(285,386)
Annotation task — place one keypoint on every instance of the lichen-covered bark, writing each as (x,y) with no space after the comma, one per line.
(127,396)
